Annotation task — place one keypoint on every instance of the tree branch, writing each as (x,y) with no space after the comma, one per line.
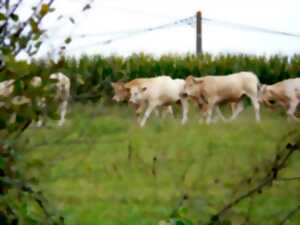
(3,28)
(271,175)
(38,23)
(289,215)
(257,189)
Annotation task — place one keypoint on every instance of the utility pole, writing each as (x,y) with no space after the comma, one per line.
(199,33)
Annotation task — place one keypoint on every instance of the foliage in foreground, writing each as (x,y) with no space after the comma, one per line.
(19,202)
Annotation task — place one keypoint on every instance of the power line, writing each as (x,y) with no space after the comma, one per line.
(249,27)
(180,22)
(190,21)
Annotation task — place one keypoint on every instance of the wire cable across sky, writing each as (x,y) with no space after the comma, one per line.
(187,21)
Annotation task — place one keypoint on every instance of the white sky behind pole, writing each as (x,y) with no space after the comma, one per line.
(108,16)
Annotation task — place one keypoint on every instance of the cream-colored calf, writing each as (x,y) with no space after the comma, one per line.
(214,90)
(286,93)
(63,86)
(122,94)
(155,92)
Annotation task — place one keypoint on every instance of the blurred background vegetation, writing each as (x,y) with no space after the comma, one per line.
(91,75)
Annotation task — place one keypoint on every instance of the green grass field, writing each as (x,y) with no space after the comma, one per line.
(102,169)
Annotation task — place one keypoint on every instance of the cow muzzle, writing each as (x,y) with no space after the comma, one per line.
(183,95)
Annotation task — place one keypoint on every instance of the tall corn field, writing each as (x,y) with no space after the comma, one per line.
(91,75)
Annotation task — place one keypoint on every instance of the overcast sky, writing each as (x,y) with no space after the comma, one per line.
(106,17)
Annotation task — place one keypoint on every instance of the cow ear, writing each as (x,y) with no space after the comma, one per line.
(198,80)
(144,89)
(189,77)
(263,88)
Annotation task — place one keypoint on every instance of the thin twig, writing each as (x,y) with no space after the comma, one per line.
(24,25)
(289,215)
(4,25)
(271,175)
(245,195)
(288,178)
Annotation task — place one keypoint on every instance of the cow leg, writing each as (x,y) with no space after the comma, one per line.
(200,106)
(209,112)
(156,112)
(292,109)
(138,111)
(63,112)
(238,109)
(254,101)
(167,110)
(42,105)
(170,111)
(185,109)
(39,122)
(220,114)
(148,111)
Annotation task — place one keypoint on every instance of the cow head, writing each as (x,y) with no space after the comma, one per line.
(36,81)
(121,93)
(54,76)
(266,96)
(192,86)
(137,94)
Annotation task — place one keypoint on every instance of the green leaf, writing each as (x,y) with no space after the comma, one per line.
(183,211)
(68,40)
(2,16)
(177,222)
(23,42)
(38,44)
(44,9)
(34,26)
(15,17)
(5,50)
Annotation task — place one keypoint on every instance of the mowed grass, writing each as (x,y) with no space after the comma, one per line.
(101,168)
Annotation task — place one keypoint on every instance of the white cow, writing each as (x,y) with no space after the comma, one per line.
(122,94)
(6,87)
(214,90)
(157,91)
(6,90)
(286,93)
(62,94)
(63,85)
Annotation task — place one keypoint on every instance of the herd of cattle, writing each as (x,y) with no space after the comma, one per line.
(160,92)
(208,92)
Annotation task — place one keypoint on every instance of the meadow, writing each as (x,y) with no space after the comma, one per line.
(102,168)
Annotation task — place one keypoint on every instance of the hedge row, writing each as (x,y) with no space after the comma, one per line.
(91,75)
